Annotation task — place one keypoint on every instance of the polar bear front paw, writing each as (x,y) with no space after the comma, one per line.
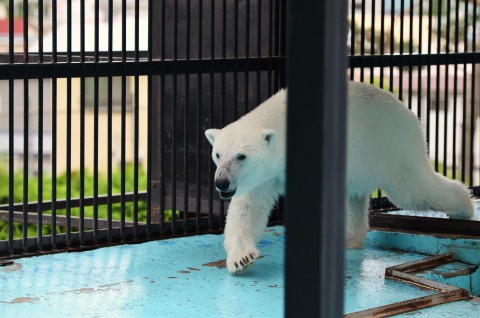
(239,260)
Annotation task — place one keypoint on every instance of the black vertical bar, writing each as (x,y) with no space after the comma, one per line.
(150,186)
(95,123)
(419,79)
(69,127)
(11,131)
(69,160)
(211,114)
(276,80)
(124,121)
(54,128)
(372,40)
(40,165)
(382,40)
(437,87)
(186,117)
(283,43)
(259,46)
(11,20)
(185,124)
(156,49)
(40,130)
(26,138)
(11,171)
(392,42)
(223,79)
(447,84)
(199,117)
(410,51)
(362,40)
(473,92)
(82,161)
(352,37)
(270,44)
(464,95)
(82,126)
(174,121)
(136,123)
(282,78)
(400,68)
(159,111)
(25,31)
(110,125)
(247,55)
(455,90)
(316,99)
(235,55)
(429,71)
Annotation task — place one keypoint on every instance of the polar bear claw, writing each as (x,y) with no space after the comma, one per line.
(238,261)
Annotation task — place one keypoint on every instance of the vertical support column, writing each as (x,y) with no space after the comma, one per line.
(315,194)
(155,119)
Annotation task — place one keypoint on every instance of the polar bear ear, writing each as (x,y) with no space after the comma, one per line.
(269,136)
(210,134)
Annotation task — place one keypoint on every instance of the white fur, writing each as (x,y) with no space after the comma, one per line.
(385,149)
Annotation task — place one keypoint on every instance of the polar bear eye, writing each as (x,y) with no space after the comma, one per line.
(241,157)
(217,155)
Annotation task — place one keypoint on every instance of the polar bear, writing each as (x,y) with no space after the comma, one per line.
(385,149)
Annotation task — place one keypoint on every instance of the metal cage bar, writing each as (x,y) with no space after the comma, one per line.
(315,288)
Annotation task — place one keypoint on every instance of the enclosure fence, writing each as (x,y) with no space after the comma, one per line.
(103,106)
(106,111)
(425,53)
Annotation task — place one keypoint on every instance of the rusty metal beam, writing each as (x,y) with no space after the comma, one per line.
(424,224)
(403,272)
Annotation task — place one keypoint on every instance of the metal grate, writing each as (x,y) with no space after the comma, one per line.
(107,109)
(425,52)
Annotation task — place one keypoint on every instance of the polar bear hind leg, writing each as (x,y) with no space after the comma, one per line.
(420,188)
(357,220)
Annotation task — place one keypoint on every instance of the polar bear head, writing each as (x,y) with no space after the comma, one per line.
(243,158)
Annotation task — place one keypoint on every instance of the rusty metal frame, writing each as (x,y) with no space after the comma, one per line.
(404,273)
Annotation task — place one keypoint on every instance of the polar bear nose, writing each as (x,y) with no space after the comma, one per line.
(222,184)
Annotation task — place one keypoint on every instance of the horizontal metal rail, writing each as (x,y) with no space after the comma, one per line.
(115,199)
(75,202)
(153,231)
(138,68)
(61,220)
(421,224)
(116,67)
(63,57)
(404,60)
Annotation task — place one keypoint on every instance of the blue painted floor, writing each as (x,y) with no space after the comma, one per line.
(170,278)
(185,277)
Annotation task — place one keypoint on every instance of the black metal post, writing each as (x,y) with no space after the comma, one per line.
(316,77)
(155,132)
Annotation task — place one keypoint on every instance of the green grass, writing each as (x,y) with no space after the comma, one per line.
(61,191)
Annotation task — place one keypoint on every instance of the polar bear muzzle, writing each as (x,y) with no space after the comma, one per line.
(223,187)
(227,195)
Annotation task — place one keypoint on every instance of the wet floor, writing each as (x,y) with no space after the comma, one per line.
(186,277)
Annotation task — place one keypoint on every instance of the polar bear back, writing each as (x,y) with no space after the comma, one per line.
(383,135)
